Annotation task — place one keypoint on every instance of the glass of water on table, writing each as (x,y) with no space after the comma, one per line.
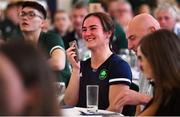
(92,92)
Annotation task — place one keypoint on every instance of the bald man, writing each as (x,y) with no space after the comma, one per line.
(138,27)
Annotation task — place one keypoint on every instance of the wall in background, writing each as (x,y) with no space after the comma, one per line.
(64,5)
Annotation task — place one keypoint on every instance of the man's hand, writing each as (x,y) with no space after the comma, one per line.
(130,97)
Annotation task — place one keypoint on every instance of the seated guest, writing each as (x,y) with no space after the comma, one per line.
(144,8)
(119,41)
(32,17)
(10,25)
(27,82)
(110,72)
(167,16)
(138,27)
(159,59)
(78,12)
(62,23)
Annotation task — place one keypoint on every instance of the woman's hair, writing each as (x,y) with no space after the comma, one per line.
(106,22)
(36,75)
(162,50)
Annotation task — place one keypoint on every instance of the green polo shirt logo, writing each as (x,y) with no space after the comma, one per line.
(103,74)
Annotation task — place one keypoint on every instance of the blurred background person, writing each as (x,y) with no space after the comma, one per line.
(119,41)
(144,8)
(78,12)
(46,25)
(167,15)
(10,25)
(62,23)
(96,6)
(19,6)
(113,8)
(158,56)
(28,81)
(137,3)
(121,10)
(125,13)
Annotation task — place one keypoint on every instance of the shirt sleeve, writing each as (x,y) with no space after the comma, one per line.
(54,42)
(120,73)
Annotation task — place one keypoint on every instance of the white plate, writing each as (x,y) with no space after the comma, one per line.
(76,111)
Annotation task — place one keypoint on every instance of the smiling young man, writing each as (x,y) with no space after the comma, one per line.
(32,17)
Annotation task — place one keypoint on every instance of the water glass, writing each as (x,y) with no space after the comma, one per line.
(92,92)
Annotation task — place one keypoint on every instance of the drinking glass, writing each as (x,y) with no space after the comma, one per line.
(92,92)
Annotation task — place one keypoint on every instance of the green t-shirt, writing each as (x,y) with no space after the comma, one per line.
(49,42)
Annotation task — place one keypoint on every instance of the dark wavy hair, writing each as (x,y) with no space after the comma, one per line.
(36,75)
(162,50)
(106,22)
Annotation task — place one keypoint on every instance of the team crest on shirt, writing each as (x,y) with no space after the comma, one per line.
(103,74)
